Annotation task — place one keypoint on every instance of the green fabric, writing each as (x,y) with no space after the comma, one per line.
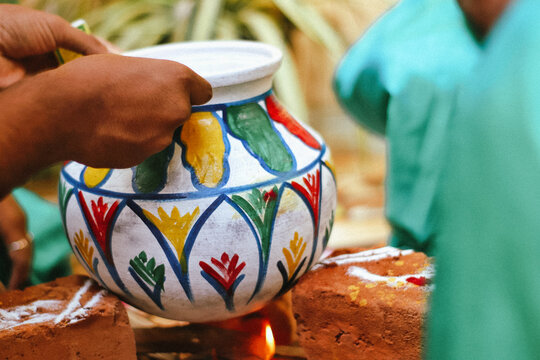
(463,124)
(400,79)
(487,299)
(51,248)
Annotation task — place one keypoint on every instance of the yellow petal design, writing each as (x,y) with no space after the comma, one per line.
(94,176)
(175,227)
(297,247)
(205,151)
(86,250)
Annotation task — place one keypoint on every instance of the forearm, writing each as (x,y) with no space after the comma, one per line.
(27,133)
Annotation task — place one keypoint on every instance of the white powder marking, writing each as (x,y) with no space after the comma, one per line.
(78,315)
(392,281)
(28,314)
(41,311)
(364,256)
(74,303)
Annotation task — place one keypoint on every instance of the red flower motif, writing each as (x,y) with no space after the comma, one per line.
(227,270)
(269,195)
(100,221)
(311,192)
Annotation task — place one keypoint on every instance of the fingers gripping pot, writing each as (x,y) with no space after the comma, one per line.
(227,217)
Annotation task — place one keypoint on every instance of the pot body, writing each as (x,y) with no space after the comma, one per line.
(226,218)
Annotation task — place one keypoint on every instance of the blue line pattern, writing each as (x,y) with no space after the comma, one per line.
(196,194)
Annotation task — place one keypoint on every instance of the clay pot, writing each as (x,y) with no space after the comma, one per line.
(226,218)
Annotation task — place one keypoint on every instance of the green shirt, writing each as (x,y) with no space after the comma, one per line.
(486,304)
(464,158)
(400,80)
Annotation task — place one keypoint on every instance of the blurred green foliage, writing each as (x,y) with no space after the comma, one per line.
(133,24)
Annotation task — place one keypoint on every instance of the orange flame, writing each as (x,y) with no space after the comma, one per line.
(270,342)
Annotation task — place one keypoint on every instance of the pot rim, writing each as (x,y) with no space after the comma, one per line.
(238,61)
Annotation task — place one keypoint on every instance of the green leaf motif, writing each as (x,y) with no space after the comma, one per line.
(250,123)
(250,211)
(143,257)
(147,270)
(159,273)
(256,198)
(64,196)
(261,210)
(151,265)
(151,174)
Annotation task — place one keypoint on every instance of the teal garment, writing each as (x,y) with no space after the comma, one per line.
(51,248)
(400,80)
(486,303)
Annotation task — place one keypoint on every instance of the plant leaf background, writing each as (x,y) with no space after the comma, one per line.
(331,24)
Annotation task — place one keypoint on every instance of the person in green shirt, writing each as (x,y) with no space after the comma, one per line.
(486,302)
(400,80)
(456,95)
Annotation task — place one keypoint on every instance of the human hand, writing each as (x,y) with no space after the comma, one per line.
(27,38)
(483,14)
(13,232)
(101,110)
(115,111)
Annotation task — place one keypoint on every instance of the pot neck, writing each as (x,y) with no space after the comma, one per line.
(222,106)
(240,91)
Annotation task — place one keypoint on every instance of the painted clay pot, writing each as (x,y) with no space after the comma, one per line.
(229,216)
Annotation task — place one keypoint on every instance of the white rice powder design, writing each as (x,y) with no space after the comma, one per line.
(363,256)
(392,281)
(74,303)
(42,311)
(78,315)
(374,255)
(29,314)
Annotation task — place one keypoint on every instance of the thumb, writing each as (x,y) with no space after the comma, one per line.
(76,40)
(200,90)
(10,72)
